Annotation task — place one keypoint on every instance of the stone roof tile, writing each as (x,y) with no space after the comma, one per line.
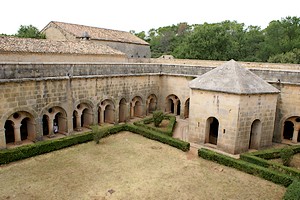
(28,45)
(231,77)
(99,33)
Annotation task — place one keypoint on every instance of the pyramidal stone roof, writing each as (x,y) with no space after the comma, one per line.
(231,77)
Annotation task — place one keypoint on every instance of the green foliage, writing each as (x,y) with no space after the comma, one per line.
(169,130)
(265,173)
(29,32)
(22,152)
(158,117)
(153,135)
(279,42)
(286,155)
(293,191)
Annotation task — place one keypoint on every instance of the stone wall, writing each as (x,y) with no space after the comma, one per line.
(66,58)
(131,50)
(36,87)
(256,107)
(37,97)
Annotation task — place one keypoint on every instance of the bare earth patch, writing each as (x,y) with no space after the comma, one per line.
(128,166)
(295,163)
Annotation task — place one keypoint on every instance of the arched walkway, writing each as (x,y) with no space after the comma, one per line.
(55,121)
(106,112)
(19,126)
(173,104)
(291,129)
(187,108)
(212,130)
(151,103)
(255,134)
(122,110)
(136,107)
(84,116)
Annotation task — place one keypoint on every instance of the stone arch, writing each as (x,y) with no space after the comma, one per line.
(106,112)
(187,108)
(84,116)
(54,121)
(212,130)
(22,125)
(9,131)
(173,104)
(136,107)
(291,129)
(151,103)
(255,134)
(30,111)
(122,110)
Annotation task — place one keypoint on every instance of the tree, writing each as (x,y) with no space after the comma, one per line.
(29,32)
(158,117)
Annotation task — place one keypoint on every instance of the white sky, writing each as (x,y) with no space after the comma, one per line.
(141,15)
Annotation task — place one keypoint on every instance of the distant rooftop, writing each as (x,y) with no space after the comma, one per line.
(98,33)
(231,77)
(28,45)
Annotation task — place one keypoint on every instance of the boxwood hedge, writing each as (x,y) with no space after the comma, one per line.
(250,168)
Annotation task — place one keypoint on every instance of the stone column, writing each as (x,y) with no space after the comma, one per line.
(2,139)
(101,115)
(78,122)
(132,110)
(175,106)
(50,126)
(295,135)
(17,133)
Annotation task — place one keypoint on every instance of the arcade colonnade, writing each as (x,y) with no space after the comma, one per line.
(23,125)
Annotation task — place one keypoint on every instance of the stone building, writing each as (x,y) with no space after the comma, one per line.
(69,85)
(38,50)
(125,42)
(232,108)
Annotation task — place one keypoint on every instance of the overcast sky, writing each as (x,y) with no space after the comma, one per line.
(141,15)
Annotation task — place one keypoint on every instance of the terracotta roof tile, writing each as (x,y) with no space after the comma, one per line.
(99,33)
(12,44)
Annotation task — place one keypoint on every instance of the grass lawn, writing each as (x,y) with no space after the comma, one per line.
(128,166)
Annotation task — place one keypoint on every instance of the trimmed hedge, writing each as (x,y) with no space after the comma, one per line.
(22,152)
(293,191)
(273,153)
(250,168)
(99,133)
(170,127)
(153,135)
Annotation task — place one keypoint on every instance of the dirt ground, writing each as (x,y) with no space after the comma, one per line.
(295,162)
(128,166)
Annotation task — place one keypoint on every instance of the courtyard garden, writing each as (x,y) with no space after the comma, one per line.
(128,166)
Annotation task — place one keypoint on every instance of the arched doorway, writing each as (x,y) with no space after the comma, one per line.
(151,103)
(212,130)
(187,108)
(109,114)
(24,128)
(20,126)
(288,130)
(106,112)
(45,124)
(84,116)
(74,116)
(122,110)
(255,134)
(173,104)
(9,131)
(136,107)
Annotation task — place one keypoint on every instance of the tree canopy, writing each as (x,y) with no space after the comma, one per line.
(27,32)
(278,42)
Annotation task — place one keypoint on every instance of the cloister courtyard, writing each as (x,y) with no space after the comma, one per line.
(128,166)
